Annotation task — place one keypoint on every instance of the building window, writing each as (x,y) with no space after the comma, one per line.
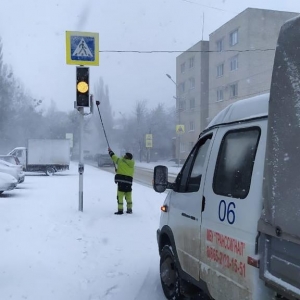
(220,70)
(192,82)
(192,126)
(191,62)
(233,38)
(182,104)
(233,90)
(182,67)
(220,95)
(182,87)
(192,103)
(220,45)
(234,63)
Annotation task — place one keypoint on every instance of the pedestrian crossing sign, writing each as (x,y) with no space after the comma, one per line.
(179,129)
(82,48)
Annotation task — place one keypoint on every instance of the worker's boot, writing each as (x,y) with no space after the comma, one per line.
(119,212)
(129,211)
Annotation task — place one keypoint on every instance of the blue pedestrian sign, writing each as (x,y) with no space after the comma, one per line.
(82,48)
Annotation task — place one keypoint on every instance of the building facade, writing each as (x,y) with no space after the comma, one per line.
(241,56)
(191,95)
(235,63)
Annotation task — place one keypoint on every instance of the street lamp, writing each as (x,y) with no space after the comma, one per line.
(169,76)
(177,111)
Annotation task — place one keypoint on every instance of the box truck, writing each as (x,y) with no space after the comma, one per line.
(44,155)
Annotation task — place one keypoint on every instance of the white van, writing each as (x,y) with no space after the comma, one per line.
(230,224)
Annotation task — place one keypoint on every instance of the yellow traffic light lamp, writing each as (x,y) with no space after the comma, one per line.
(82,87)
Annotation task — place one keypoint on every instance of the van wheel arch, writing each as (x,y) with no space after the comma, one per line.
(166,238)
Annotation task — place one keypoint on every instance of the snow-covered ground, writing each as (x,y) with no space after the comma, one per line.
(52,251)
(173,168)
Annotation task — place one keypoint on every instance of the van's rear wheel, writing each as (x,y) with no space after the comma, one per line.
(169,275)
(50,171)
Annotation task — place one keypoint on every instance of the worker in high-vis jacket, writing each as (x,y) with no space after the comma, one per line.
(123,178)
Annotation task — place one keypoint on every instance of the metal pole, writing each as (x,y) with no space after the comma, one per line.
(81,163)
(98,103)
(178,134)
(178,149)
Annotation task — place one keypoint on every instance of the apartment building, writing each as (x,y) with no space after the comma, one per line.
(241,56)
(238,65)
(191,94)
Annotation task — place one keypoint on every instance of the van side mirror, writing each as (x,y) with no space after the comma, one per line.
(160,179)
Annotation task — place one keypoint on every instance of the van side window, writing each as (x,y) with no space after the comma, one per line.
(235,162)
(191,174)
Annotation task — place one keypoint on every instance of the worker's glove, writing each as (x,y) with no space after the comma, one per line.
(110,152)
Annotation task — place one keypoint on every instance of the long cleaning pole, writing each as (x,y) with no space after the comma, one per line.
(98,103)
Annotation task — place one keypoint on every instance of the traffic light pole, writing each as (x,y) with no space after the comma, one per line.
(81,162)
(82,100)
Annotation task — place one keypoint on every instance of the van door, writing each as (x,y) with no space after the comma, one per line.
(233,193)
(185,206)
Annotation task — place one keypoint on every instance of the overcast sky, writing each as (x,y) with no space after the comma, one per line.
(33,36)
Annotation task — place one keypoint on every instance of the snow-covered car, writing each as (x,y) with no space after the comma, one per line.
(15,161)
(103,159)
(7,182)
(14,170)
(11,159)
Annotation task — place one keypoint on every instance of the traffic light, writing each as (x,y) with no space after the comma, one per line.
(82,87)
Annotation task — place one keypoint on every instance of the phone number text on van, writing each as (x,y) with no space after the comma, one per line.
(229,244)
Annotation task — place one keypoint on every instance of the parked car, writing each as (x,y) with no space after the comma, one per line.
(103,160)
(11,159)
(12,169)
(7,182)
(15,161)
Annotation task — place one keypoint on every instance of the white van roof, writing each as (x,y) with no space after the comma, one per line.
(249,108)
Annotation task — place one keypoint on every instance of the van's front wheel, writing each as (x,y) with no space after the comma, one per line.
(169,275)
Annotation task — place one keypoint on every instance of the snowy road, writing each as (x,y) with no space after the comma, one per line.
(143,172)
(50,250)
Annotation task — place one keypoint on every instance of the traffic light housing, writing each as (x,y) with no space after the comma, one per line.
(82,87)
